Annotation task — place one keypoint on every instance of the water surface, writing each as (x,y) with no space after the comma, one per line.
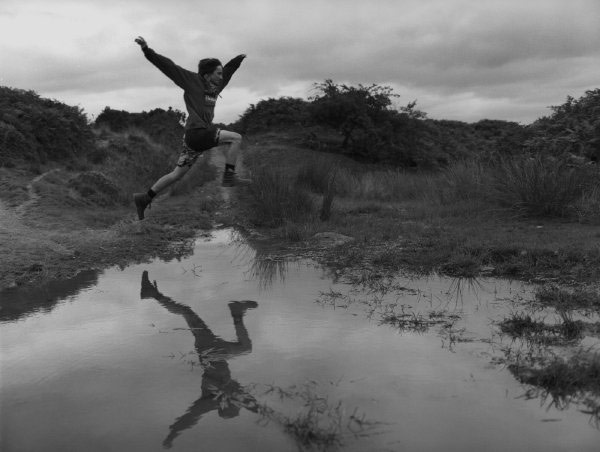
(227,349)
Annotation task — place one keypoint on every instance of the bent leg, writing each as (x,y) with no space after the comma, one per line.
(234,140)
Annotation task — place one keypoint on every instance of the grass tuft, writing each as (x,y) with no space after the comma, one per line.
(276,200)
(541,187)
(522,325)
(564,299)
(565,381)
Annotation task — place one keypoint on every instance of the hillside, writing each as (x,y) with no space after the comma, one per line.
(66,186)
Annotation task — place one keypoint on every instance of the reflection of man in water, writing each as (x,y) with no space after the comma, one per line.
(219,391)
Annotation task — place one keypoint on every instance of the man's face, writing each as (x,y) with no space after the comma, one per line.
(215,78)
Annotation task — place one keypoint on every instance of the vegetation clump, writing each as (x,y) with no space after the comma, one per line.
(35,130)
(565,381)
(94,187)
(522,325)
(319,423)
(562,298)
(573,129)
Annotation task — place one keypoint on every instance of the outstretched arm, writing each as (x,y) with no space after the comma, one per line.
(231,67)
(176,73)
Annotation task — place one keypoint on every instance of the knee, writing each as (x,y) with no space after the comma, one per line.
(230,137)
(235,138)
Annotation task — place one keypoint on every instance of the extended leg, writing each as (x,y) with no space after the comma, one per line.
(231,152)
(143,200)
(170,178)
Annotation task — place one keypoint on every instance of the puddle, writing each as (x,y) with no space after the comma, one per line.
(234,351)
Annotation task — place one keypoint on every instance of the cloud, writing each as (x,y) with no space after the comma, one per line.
(488,55)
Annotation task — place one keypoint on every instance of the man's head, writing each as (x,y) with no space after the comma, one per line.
(211,70)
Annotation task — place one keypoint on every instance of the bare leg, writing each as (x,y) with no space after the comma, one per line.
(169,179)
(234,140)
(143,200)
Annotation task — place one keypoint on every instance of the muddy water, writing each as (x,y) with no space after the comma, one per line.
(230,352)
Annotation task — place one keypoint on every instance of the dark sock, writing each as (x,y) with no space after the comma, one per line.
(229,167)
(151,194)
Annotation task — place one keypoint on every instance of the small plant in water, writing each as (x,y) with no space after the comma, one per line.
(563,299)
(522,325)
(319,424)
(411,321)
(561,382)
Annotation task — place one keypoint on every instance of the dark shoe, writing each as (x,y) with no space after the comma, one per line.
(230,179)
(149,290)
(238,308)
(142,200)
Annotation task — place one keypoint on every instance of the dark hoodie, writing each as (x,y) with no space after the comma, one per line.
(199,97)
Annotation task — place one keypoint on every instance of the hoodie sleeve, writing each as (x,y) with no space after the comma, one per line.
(230,68)
(176,73)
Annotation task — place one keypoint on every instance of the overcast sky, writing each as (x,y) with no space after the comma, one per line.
(460,59)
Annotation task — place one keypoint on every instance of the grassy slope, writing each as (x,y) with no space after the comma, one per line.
(49,230)
(47,233)
(53,242)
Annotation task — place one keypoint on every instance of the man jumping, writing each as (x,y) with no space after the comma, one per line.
(200,92)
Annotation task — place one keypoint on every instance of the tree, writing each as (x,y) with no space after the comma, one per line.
(273,113)
(356,112)
(572,128)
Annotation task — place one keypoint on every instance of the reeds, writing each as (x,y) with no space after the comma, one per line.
(539,186)
(529,186)
(276,199)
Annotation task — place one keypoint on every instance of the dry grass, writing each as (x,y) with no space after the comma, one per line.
(456,221)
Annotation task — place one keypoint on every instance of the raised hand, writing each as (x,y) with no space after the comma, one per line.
(141,42)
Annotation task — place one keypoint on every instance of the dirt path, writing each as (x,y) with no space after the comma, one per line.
(33,196)
(13,229)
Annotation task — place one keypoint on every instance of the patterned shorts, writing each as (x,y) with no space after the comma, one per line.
(195,142)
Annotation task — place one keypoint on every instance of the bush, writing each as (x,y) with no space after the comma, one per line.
(163,126)
(38,130)
(271,113)
(572,128)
